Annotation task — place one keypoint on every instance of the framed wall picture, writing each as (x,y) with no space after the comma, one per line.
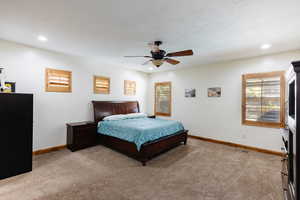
(190,93)
(11,87)
(214,92)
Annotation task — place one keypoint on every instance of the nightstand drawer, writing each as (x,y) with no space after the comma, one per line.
(84,142)
(85,134)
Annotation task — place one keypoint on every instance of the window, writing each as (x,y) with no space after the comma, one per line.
(101,85)
(58,80)
(163,99)
(129,87)
(263,99)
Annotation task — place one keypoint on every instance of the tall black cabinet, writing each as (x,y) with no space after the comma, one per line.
(16,121)
(292,137)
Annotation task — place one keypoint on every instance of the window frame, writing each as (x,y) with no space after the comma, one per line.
(126,88)
(170,99)
(49,88)
(279,74)
(96,91)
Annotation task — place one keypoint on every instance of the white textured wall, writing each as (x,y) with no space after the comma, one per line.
(220,118)
(52,111)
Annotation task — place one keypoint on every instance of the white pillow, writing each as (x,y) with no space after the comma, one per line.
(114,117)
(136,115)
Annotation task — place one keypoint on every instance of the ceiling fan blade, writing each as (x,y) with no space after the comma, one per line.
(181,53)
(137,56)
(171,61)
(145,63)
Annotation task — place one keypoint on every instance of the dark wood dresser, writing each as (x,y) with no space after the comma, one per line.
(16,121)
(81,135)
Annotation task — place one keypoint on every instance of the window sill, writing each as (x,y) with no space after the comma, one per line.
(263,124)
(163,114)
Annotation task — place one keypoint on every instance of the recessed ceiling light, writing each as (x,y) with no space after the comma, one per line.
(42,38)
(151,68)
(265,46)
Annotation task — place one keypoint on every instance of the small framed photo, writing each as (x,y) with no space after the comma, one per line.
(11,87)
(214,92)
(190,93)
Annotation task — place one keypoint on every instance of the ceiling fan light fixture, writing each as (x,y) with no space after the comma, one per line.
(42,38)
(157,63)
(159,56)
(266,46)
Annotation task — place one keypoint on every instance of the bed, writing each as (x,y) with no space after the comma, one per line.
(128,136)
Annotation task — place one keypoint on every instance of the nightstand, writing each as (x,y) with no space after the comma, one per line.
(151,116)
(81,135)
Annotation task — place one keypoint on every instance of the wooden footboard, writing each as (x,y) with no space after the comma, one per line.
(153,148)
(149,149)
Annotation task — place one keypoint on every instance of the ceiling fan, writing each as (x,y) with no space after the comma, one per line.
(158,56)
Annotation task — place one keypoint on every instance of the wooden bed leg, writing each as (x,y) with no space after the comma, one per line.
(144,163)
(185,140)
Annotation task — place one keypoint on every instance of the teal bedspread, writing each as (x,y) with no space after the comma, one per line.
(139,130)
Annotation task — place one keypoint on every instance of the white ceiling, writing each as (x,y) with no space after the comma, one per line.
(217,30)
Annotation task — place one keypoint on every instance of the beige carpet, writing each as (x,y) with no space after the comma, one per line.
(198,171)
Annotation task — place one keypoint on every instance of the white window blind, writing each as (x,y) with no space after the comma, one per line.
(262,99)
(163,98)
(58,80)
(129,87)
(101,85)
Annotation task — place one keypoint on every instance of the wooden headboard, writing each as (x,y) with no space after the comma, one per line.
(106,108)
